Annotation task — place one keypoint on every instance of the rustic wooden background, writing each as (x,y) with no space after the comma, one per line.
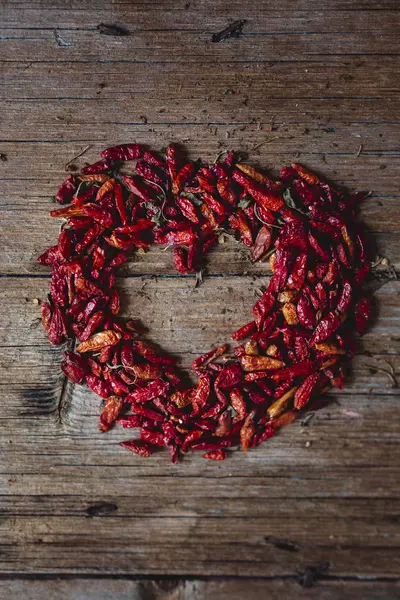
(82,518)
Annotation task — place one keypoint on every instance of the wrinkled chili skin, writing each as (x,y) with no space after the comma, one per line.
(123,152)
(302,332)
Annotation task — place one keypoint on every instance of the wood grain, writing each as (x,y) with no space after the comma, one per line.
(175,589)
(311,81)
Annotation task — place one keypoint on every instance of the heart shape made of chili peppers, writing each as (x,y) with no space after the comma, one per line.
(302,332)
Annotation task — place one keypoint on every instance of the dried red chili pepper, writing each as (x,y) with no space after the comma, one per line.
(245,331)
(325,328)
(138,447)
(305,391)
(262,244)
(215,455)
(110,412)
(362,312)
(67,190)
(188,209)
(123,152)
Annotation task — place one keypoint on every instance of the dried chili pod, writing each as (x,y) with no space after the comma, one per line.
(123,152)
(247,431)
(346,297)
(260,363)
(280,405)
(184,175)
(201,393)
(155,388)
(267,198)
(138,447)
(98,386)
(244,331)
(239,222)
(305,174)
(298,272)
(259,177)
(215,455)
(110,412)
(262,243)
(101,166)
(306,390)
(229,377)
(205,359)
(362,313)
(325,328)
(97,341)
(181,260)
(66,190)
(74,367)
(138,187)
(305,312)
(188,209)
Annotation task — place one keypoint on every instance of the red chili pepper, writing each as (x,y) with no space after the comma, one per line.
(98,386)
(188,209)
(67,190)
(201,393)
(123,152)
(305,312)
(281,269)
(262,244)
(229,377)
(215,455)
(239,222)
(183,176)
(305,391)
(101,166)
(185,236)
(325,328)
(266,198)
(224,187)
(138,187)
(181,260)
(74,367)
(171,156)
(245,331)
(305,174)
(362,312)
(131,422)
(151,390)
(215,204)
(138,447)
(110,412)
(150,173)
(301,369)
(345,297)
(120,204)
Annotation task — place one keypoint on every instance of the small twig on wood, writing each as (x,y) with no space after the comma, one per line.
(78,155)
(276,137)
(390,373)
(360,150)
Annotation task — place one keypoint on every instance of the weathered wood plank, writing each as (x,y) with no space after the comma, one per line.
(175,589)
(336,77)
(263,18)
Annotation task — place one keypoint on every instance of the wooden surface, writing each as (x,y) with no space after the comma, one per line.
(79,516)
